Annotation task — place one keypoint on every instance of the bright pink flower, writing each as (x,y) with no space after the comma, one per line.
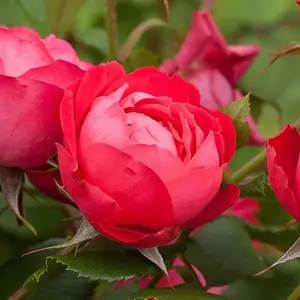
(33,74)
(283,160)
(213,66)
(136,147)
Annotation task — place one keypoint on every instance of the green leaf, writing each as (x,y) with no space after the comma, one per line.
(109,266)
(238,111)
(44,214)
(273,235)
(65,286)
(136,34)
(285,278)
(14,273)
(61,15)
(223,251)
(153,255)
(185,291)
(257,104)
(11,182)
(258,188)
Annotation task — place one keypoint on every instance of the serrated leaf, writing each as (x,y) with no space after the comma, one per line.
(85,232)
(136,34)
(14,273)
(257,103)
(292,253)
(11,182)
(153,255)
(238,111)
(185,291)
(108,266)
(225,246)
(258,188)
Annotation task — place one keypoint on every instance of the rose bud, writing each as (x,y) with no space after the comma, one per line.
(284,169)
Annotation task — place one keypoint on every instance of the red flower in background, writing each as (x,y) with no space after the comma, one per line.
(139,158)
(283,160)
(298,2)
(213,66)
(33,74)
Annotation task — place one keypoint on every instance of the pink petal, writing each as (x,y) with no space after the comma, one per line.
(164,163)
(95,83)
(207,155)
(192,192)
(60,73)
(18,55)
(136,188)
(213,87)
(224,199)
(29,122)
(139,238)
(144,130)
(151,81)
(105,122)
(95,205)
(61,49)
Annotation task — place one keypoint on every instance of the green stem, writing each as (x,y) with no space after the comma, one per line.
(295,294)
(249,167)
(253,164)
(112,28)
(155,280)
(192,272)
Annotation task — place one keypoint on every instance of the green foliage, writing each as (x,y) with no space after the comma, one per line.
(187,292)
(238,111)
(220,249)
(285,278)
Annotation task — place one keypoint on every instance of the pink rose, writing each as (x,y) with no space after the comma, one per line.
(139,159)
(213,66)
(33,74)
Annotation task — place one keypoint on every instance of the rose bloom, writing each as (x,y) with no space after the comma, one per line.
(139,158)
(213,66)
(33,74)
(283,161)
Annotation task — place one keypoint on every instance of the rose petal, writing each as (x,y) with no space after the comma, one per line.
(144,130)
(18,55)
(29,122)
(60,73)
(192,192)
(164,163)
(61,49)
(105,123)
(96,82)
(138,238)
(224,199)
(95,205)
(137,189)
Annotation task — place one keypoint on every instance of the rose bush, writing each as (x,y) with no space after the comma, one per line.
(139,158)
(283,152)
(33,74)
(213,66)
